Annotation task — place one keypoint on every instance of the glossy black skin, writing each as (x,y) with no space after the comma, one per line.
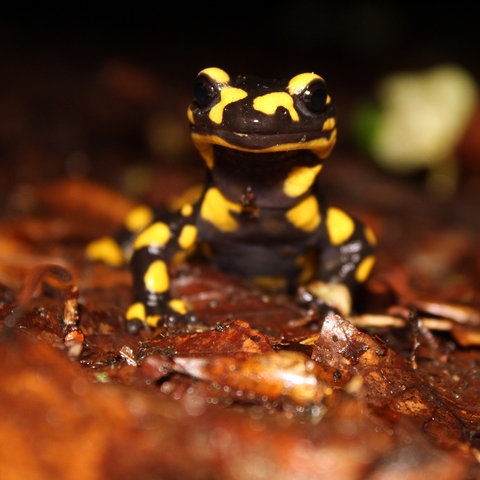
(251,154)
(262,130)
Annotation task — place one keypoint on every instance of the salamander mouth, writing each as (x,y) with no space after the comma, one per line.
(264,141)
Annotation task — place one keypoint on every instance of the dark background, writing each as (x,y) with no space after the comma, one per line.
(53,63)
(352,42)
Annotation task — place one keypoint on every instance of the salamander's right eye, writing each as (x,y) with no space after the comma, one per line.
(205,93)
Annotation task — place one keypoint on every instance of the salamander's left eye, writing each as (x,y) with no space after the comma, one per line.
(315,97)
(204,92)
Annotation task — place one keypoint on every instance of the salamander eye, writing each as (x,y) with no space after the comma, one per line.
(315,97)
(204,92)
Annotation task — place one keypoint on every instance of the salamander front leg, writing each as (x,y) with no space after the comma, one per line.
(153,251)
(344,263)
(152,303)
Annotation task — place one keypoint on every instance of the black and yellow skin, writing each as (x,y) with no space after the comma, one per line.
(261,213)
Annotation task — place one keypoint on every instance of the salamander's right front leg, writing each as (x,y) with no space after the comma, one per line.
(153,251)
(152,299)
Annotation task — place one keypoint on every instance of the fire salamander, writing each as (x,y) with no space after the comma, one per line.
(260,212)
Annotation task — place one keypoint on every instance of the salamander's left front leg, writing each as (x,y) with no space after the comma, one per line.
(154,250)
(345,262)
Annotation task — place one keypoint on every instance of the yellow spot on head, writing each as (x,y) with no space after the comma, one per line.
(269,103)
(216,74)
(227,95)
(364,268)
(107,250)
(136,312)
(217,210)
(340,226)
(138,218)
(298,83)
(305,215)
(157,235)
(187,237)
(300,179)
(156,277)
